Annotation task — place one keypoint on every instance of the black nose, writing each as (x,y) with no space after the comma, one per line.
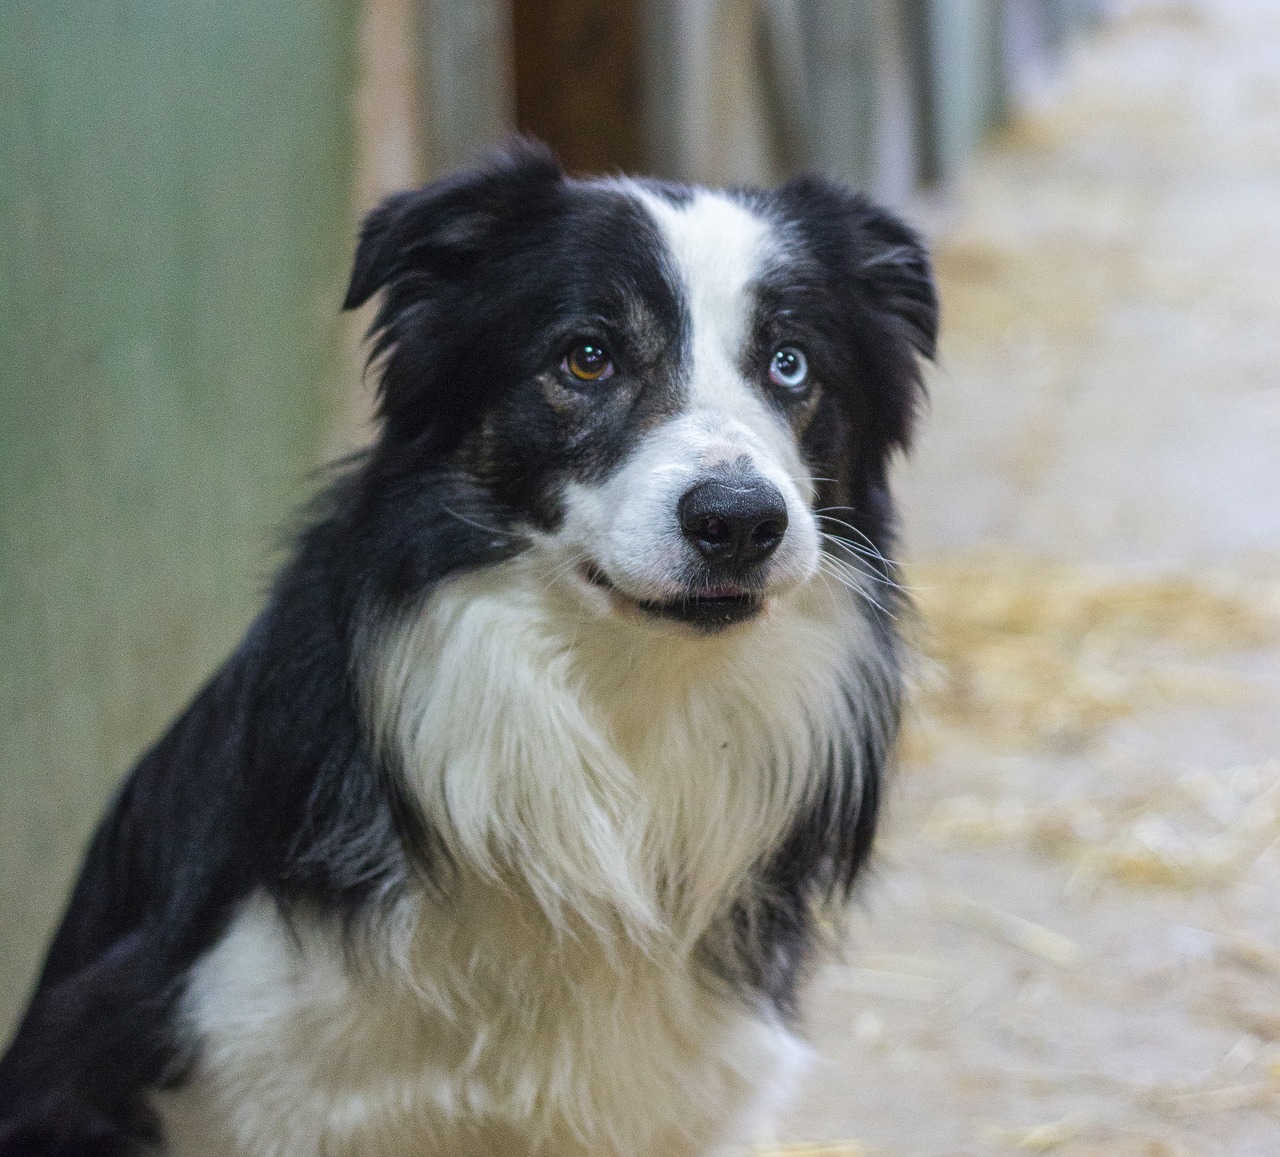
(734,522)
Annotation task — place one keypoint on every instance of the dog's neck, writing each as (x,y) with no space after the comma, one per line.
(631,778)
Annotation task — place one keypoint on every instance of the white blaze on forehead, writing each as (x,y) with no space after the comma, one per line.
(718,248)
(717,251)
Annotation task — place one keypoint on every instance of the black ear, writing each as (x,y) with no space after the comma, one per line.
(444,259)
(890,278)
(448,217)
(877,260)
(374,264)
(879,275)
(894,265)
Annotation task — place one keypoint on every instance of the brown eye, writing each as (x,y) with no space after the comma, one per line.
(588,362)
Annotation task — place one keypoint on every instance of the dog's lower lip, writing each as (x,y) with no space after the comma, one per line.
(710,609)
(721,592)
(595,575)
(707,607)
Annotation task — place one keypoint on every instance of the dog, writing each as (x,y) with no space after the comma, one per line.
(514,823)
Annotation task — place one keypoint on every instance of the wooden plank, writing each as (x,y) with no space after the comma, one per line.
(1063,18)
(703,94)
(843,53)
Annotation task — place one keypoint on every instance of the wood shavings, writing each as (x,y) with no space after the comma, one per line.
(1013,930)
(898,962)
(1041,1138)
(1257,1095)
(1239,1057)
(894,985)
(1026,654)
(1258,954)
(1190,831)
(818,1149)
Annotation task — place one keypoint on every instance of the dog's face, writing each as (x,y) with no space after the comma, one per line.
(673,394)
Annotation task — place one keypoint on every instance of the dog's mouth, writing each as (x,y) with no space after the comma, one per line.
(708,608)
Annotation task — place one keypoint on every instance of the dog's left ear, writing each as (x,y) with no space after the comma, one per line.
(881,277)
(892,263)
(375,261)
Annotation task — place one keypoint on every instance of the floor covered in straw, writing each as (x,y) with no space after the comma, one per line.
(1071,940)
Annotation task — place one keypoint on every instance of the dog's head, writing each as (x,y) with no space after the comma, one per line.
(679,395)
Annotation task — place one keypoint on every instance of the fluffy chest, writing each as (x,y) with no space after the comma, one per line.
(622,775)
(474,1030)
(605,804)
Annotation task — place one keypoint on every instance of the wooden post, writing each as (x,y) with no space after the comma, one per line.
(707,118)
(843,54)
(961,78)
(578,80)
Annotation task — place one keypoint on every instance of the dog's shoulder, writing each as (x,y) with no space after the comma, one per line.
(254,786)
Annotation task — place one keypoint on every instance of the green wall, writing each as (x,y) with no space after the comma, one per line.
(174,229)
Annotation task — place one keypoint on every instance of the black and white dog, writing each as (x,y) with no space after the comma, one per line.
(512,825)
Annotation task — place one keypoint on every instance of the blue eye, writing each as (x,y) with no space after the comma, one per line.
(789,369)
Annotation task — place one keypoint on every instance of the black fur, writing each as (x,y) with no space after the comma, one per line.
(269,781)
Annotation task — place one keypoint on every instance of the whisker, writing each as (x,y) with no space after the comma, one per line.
(823,514)
(855,572)
(853,548)
(851,584)
(562,567)
(478,525)
(856,567)
(869,551)
(857,563)
(827,587)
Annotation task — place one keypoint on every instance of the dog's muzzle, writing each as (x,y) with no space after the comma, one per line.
(724,532)
(733,524)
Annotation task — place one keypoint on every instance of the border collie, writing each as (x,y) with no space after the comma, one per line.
(513,825)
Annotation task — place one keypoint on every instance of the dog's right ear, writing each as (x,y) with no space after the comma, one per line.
(433,230)
(435,256)
(374,262)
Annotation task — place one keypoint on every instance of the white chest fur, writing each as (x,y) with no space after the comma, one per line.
(606,800)
(503,1045)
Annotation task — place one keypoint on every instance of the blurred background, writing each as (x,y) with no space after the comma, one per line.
(1070,942)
